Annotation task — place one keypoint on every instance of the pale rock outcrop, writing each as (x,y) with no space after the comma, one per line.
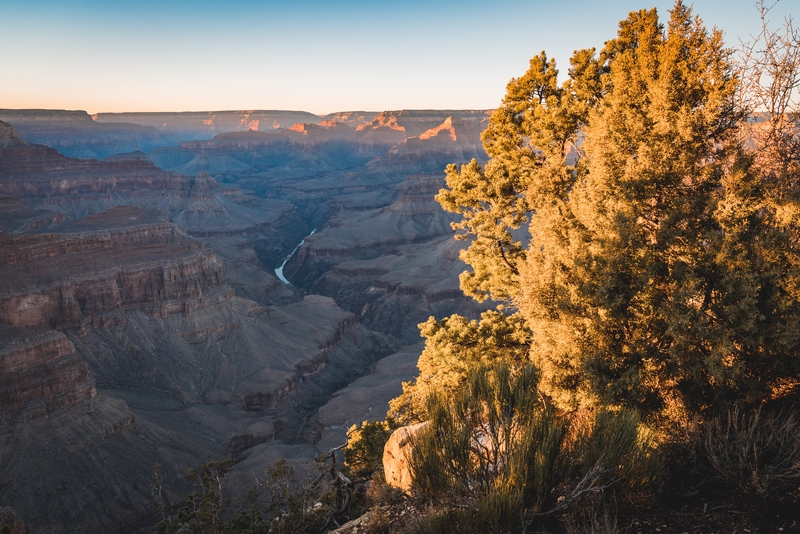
(9,137)
(397,454)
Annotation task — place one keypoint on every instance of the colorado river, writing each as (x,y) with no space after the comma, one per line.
(279,270)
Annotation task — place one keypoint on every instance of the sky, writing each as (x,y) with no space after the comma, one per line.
(311,55)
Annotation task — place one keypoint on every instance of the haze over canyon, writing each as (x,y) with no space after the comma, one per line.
(141,317)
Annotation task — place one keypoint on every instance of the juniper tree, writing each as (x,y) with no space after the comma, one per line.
(656,274)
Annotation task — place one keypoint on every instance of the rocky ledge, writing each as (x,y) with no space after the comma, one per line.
(139,260)
(39,372)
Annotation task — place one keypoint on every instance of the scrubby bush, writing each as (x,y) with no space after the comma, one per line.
(363,454)
(758,452)
(278,504)
(204,509)
(453,346)
(501,452)
(590,523)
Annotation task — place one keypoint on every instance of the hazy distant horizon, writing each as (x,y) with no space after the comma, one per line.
(170,56)
(252,110)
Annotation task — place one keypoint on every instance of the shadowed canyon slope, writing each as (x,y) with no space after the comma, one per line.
(141,319)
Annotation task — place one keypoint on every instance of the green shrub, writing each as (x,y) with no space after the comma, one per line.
(279,505)
(363,454)
(502,452)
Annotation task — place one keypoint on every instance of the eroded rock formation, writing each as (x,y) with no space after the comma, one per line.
(160,280)
(69,280)
(39,372)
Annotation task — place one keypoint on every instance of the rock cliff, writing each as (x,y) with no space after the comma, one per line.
(394,266)
(9,137)
(207,124)
(39,372)
(415,122)
(155,284)
(353,119)
(128,304)
(456,139)
(70,280)
(44,188)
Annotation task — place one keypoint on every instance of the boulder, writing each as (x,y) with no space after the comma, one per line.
(397,454)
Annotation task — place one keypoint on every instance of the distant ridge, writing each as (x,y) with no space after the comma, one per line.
(213,121)
(80,135)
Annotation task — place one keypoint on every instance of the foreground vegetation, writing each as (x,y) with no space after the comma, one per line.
(638,227)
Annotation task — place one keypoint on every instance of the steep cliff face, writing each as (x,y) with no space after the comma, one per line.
(9,137)
(455,139)
(185,370)
(414,122)
(412,217)
(250,233)
(303,150)
(343,141)
(366,399)
(384,128)
(353,119)
(324,131)
(393,266)
(17,217)
(41,177)
(69,280)
(39,372)
(40,171)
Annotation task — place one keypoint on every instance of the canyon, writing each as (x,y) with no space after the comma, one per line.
(142,320)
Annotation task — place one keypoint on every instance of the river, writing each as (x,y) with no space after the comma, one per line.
(279,270)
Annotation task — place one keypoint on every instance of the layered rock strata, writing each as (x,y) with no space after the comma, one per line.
(37,171)
(206,124)
(252,234)
(69,280)
(393,266)
(39,372)
(367,398)
(186,371)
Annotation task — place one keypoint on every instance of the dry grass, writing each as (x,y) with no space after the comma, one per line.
(758,452)
(590,523)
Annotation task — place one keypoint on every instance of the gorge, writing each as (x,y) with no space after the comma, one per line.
(279,270)
(146,310)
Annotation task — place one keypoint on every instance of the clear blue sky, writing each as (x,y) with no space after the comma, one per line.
(313,55)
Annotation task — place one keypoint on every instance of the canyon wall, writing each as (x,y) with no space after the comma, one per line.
(143,322)
(40,371)
(70,280)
